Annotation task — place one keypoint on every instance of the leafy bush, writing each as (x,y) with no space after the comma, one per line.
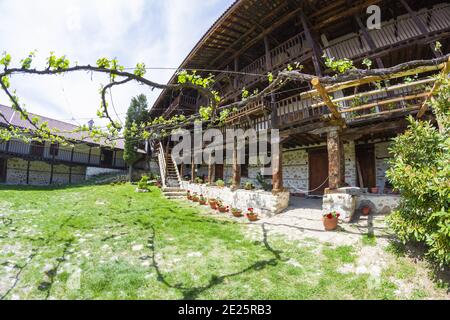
(220,183)
(143,183)
(420,170)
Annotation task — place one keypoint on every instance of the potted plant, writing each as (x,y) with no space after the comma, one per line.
(221,207)
(198,180)
(236,212)
(189,195)
(202,200)
(195,197)
(249,186)
(213,203)
(220,183)
(330,220)
(230,182)
(365,210)
(251,215)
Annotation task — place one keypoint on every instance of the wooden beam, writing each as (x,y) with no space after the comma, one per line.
(419,24)
(28,172)
(316,51)
(437,84)
(388,101)
(369,41)
(326,98)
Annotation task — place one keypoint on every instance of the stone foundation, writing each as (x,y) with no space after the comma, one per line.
(348,201)
(264,203)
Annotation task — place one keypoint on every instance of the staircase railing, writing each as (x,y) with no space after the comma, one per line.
(162,164)
(176,169)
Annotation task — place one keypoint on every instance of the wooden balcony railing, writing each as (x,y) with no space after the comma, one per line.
(392,32)
(352,46)
(22,149)
(180,101)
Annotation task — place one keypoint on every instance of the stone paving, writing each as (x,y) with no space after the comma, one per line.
(303,220)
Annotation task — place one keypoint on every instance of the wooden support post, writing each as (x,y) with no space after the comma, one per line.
(316,50)
(28,172)
(70,174)
(71,154)
(369,41)
(236,78)
(236,168)
(419,24)
(336,160)
(445,72)
(89,157)
(211,173)
(277,170)
(51,173)
(193,166)
(326,98)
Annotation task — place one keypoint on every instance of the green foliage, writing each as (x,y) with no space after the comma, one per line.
(420,169)
(26,63)
(249,186)
(205,113)
(140,70)
(266,186)
(245,94)
(220,183)
(198,180)
(368,63)
(137,115)
(340,65)
(270,77)
(143,183)
(5,60)
(54,63)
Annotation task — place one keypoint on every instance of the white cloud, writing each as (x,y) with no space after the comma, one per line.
(159,33)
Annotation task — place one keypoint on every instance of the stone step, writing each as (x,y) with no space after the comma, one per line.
(168,189)
(178,194)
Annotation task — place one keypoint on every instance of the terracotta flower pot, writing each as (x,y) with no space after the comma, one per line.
(195,199)
(252,217)
(237,214)
(365,210)
(374,190)
(213,205)
(189,197)
(223,209)
(330,224)
(202,202)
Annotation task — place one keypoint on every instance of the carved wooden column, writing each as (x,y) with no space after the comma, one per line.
(193,166)
(277,171)
(336,160)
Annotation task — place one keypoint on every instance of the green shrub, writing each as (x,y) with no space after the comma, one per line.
(220,183)
(143,183)
(420,170)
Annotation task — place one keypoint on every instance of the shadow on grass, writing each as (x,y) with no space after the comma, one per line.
(192,293)
(417,252)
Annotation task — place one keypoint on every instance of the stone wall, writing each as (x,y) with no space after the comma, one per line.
(40,173)
(296,168)
(264,203)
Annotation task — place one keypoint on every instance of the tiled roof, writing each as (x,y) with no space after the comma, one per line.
(65,128)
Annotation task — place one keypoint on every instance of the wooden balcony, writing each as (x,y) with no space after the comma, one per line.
(63,156)
(392,33)
(353,46)
(181,102)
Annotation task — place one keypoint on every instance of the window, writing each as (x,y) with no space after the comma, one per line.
(54,149)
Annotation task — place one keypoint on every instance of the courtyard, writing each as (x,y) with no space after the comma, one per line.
(108,242)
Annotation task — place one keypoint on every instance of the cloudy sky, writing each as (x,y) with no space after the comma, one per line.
(159,33)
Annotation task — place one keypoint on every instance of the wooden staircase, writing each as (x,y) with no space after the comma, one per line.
(170,176)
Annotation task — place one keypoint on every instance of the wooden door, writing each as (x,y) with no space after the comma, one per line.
(218,172)
(107,158)
(365,168)
(2,170)
(318,171)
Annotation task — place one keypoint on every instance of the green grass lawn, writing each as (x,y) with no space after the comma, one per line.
(108,242)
